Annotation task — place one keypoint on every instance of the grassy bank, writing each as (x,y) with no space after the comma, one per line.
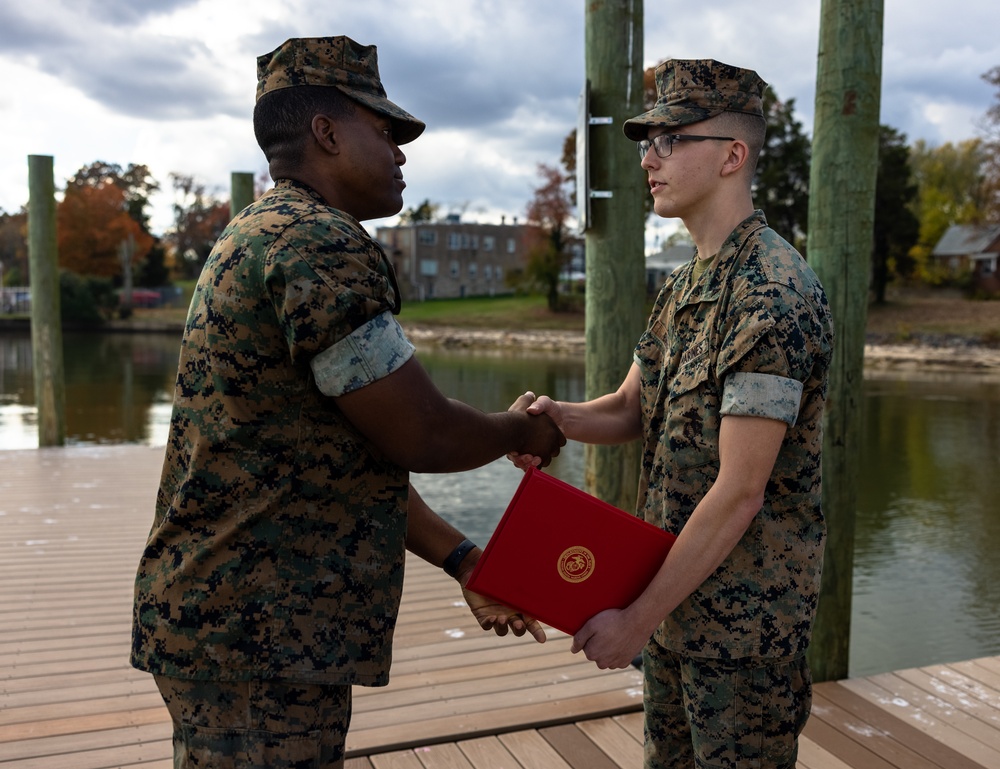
(512,313)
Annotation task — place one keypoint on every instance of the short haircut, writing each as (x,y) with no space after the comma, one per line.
(751,129)
(282,119)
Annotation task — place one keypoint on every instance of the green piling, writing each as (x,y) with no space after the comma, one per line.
(46,318)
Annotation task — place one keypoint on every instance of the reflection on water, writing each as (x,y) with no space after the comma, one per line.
(926,575)
(927,579)
(118,388)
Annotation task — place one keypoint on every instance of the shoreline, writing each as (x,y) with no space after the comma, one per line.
(916,357)
(934,355)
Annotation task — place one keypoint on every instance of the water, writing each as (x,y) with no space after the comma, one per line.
(927,579)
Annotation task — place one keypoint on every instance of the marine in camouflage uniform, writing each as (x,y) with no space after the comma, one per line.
(272,575)
(749,334)
(726,392)
(294,301)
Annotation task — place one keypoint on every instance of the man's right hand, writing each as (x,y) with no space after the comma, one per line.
(544,438)
(546,411)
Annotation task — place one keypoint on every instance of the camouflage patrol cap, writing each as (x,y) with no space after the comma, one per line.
(690,90)
(339,62)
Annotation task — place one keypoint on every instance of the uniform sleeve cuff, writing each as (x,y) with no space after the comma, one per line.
(367,354)
(762,395)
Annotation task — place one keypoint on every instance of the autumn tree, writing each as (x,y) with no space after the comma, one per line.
(199,219)
(991,144)
(895,227)
(104,207)
(92,223)
(135,182)
(549,210)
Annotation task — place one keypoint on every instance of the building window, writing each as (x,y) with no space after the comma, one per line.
(472,270)
(488,272)
(454,241)
(488,242)
(427,237)
(989,266)
(498,273)
(428,267)
(454,268)
(511,246)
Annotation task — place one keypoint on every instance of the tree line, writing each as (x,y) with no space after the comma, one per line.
(921,190)
(103,230)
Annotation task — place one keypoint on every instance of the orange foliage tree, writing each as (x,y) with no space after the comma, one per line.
(93,222)
(550,210)
(199,219)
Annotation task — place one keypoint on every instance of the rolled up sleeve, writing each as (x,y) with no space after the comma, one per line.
(367,354)
(762,395)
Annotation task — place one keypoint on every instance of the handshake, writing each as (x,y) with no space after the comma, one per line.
(529,404)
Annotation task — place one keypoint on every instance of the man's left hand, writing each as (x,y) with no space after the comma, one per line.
(500,618)
(608,641)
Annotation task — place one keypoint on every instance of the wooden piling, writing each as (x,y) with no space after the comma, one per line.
(841,227)
(241,195)
(615,237)
(46,316)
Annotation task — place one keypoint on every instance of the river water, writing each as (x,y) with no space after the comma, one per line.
(927,575)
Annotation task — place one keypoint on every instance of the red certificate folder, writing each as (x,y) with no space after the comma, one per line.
(561,555)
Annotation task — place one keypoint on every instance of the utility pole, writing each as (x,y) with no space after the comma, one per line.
(126,252)
(841,228)
(46,317)
(614,226)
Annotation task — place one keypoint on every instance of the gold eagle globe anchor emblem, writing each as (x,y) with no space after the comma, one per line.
(576,564)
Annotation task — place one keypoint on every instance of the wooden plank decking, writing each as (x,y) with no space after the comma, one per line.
(72,522)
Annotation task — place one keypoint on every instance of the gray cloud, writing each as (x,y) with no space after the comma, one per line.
(502,75)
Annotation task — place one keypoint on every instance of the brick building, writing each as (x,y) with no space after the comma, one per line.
(451,258)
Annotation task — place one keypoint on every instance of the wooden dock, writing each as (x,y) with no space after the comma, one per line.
(72,524)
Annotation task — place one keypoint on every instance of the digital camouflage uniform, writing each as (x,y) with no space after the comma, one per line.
(727,684)
(272,575)
(278,538)
(752,335)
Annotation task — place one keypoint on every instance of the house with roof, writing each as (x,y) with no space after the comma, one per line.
(660,264)
(972,247)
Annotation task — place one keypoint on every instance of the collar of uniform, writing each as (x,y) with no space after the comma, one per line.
(707,286)
(295,184)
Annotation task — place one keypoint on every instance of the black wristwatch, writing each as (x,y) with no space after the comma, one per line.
(454,560)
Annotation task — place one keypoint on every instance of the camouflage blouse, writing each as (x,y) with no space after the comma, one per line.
(751,335)
(278,537)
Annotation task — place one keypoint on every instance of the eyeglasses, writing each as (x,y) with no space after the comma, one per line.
(664,143)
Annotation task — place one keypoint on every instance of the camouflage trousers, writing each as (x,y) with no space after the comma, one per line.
(272,724)
(716,714)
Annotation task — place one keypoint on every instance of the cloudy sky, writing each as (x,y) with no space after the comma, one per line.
(170,83)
